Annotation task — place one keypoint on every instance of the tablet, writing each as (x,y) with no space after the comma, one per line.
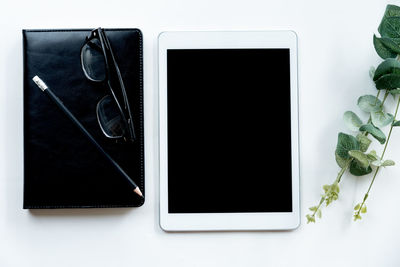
(228,131)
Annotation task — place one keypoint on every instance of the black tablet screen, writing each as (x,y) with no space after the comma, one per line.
(229,137)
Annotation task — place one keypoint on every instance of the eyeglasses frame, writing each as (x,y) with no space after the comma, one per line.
(99,33)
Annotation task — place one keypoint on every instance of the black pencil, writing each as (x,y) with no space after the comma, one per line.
(58,102)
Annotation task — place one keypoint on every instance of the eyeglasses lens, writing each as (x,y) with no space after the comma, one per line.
(93,61)
(110,117)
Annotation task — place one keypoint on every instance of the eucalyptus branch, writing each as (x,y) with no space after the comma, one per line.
(384,98)
(331,192)
(352,149)
(362,208)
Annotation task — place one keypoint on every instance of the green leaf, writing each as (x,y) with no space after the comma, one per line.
(357,217)
(352,121)
(390,27)
(396,123)
(340,161)
(395,40)
(326,188)
(388,162)
(357,170)
(319,214)
(388,82)
(388,66)
(394,92)
(374,131)
(390,44)
(335,188)
(310,218)
(372,72)
(382,50)
(377,163)
(391,11)
(360,157)
(369,103)
(357,207)
(363,141)
(314,208)
(372,155)
(364,209)
(345,144)
(380,118)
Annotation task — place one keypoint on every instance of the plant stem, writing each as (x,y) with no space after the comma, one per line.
(321,201)
(348,162)
(345,167)
(377,95)
(337,180)
(383,153)
(384,98)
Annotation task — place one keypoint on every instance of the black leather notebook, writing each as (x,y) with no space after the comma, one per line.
(62,168)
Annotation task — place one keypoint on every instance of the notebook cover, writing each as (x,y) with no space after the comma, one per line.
(62,168)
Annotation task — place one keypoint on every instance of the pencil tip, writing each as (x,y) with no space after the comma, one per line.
(137,191)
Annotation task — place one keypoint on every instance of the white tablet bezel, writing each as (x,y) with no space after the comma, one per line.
(227,221)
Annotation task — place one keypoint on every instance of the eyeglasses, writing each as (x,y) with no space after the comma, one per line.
(99,65)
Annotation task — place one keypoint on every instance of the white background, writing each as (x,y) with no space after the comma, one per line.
(335,53)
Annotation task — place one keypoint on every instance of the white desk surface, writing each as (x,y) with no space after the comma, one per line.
(335,53)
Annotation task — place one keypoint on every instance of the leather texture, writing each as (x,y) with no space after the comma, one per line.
(62,169)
